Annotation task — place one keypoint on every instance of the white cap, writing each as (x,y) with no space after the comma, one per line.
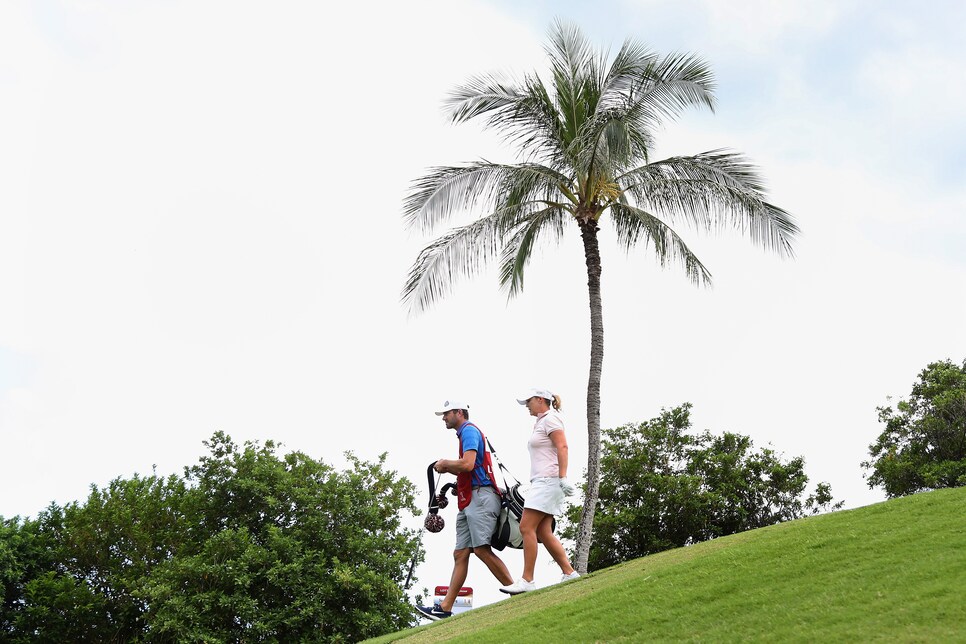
(453,404)
(539,393)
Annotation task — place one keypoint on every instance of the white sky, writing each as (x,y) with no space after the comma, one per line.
(200,230)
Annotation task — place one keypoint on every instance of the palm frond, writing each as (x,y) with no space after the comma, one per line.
(448,190)
(638,92)
(519,247)
(575,68)
(524,114)
(570,53)
(610,140)
(633,224)
(626,70)
(519,193)
(713,191)
(641,94)
(537,126)
(459,253)
(674,83)
(481,95)
(532,185)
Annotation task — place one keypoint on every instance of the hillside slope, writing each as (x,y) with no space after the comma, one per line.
(892,571)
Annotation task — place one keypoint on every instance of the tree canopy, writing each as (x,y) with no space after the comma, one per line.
(923,444)
(247,546)
(664,486)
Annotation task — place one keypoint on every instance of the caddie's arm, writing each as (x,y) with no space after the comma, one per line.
(563,457)
(455,466)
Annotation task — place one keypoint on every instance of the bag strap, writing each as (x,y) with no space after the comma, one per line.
(488,466)
(487,445)
(503,470)
(488,463)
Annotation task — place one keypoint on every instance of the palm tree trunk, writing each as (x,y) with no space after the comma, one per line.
(588,232)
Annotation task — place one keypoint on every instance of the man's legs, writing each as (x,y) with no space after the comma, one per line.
(494,563)
(481,516)
(461,563)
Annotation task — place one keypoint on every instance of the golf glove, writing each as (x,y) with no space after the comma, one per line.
(566,486)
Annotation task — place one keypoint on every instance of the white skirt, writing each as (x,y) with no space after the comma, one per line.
(545,496)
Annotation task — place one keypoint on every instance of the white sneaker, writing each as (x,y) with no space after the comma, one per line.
(519,586)
(573,575)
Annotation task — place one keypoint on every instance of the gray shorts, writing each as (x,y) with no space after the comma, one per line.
(476,522)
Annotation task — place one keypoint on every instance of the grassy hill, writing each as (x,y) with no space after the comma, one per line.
(892,571)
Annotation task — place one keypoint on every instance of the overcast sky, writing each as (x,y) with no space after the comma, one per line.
(200,230)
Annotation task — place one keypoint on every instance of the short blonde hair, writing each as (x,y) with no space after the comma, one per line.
(557,403)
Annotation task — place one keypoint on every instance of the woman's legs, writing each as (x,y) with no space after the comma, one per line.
(546,536)
(528,530)
(536,527)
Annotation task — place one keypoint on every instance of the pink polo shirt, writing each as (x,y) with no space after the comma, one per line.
(543,454)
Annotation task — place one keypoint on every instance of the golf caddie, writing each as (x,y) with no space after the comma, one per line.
(478,502)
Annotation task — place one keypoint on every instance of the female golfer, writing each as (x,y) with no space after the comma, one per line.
(549,488)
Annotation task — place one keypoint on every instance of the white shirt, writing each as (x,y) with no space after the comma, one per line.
(543,454)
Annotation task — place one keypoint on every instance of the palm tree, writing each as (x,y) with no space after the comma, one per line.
(585,139)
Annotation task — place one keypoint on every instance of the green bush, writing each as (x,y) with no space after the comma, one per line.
(923,445)
(246,546)
(663,487)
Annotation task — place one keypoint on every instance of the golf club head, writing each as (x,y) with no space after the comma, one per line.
(434,523)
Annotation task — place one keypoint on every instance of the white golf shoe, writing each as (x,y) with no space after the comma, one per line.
(519,586)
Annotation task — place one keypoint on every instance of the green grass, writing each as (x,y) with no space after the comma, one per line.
(894,571)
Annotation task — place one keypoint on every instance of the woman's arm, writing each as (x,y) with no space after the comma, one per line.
(559,441)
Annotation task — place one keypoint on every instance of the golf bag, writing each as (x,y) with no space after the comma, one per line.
(507,532)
